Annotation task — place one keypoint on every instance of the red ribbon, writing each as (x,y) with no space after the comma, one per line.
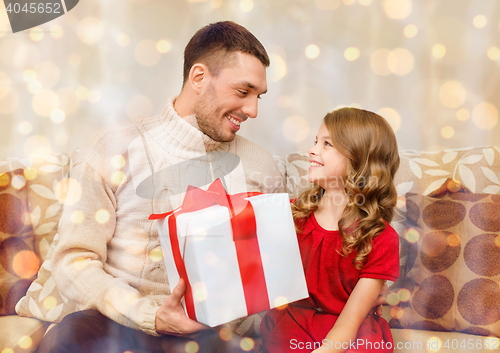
(244,236)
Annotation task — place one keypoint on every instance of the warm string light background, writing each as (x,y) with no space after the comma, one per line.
(430,67)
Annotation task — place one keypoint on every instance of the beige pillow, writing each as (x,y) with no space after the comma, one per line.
(46,180)
(452,280)
(30,208)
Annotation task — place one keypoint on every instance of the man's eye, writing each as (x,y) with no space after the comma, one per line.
(242,92)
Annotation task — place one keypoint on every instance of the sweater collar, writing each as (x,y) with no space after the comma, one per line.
(185,130)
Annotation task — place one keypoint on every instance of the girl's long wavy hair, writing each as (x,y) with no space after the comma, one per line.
(369,144)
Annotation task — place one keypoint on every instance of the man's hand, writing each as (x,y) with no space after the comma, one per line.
(377,307)
(171,318)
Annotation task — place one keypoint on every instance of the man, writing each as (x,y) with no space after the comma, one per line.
(111,262)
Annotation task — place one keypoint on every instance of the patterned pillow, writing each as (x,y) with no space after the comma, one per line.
(42,299)
(30,190)
(452,280)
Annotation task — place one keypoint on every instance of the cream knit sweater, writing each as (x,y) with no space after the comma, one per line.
(109,256)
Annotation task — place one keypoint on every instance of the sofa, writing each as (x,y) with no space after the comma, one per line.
(448,213)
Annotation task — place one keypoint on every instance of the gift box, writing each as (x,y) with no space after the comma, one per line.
(238,254)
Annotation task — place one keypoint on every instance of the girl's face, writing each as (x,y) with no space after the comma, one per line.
(328,165)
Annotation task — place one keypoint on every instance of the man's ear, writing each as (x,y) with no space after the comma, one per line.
(198,77)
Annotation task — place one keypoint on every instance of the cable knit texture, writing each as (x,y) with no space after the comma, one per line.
(109,255)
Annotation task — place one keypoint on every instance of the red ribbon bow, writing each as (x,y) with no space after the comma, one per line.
(244,236)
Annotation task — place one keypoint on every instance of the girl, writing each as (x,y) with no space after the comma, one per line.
(348,248)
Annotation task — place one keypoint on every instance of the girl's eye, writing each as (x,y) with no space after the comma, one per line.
(327,143)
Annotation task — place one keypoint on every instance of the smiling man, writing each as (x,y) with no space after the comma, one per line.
(111,269)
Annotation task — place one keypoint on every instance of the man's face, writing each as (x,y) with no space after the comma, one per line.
(231,97)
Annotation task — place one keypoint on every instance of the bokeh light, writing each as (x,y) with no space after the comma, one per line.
(453,240)
(146,53)
(36,34)
(411,235)
(191,347)
(225,333)
(312,51)
(280,302)
(200,293)
(82,93)
(25,342)
(8,349)
(30,173)
(327,5)
(404,294)
(411,31)
(493,53)
(102,216)
(463,114)
(216,3)
(18,182)
(118,177)
(349,2)
(392,117)
(77,217)
(351,54)
(485,116)
(447,132)
(68,191)
(434,344)
(400,61)
(295,128)
(45,102)
(57,116)
(56,31)
(156,255)
(90,30)
(452,94)
(50,302)
(438,51)
(123,40)
(117,161)
(365,2)
(392,299)
(247,344)
(163,46)
(25,264)
(278,69)
(479,21)
(396,312)
(25,127)
(397,9)
(246,5)
(94,96)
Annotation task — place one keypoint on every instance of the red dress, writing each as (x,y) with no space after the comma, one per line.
(330,280)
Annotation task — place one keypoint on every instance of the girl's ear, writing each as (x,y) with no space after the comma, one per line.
(198,77)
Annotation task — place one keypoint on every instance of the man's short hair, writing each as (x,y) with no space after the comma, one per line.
(214,44)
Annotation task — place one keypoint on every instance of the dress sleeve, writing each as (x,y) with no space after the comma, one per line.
(383,260)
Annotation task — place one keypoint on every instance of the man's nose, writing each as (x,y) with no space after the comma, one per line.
(251,108)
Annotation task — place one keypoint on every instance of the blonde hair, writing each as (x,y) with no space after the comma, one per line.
(369,144)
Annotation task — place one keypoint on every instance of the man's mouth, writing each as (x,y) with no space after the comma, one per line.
(233,120)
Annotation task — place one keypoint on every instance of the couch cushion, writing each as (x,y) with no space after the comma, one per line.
(30,207)
(452,270)
(20,334)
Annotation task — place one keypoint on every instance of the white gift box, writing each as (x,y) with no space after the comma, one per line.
(212,260)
